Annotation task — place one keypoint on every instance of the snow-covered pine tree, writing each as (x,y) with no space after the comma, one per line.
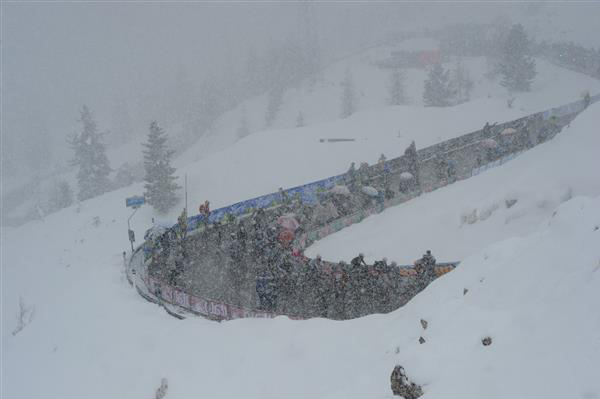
(309,40)
(124,176)
(438,89)
(300,119)
(274,101)
(160,182)
(348,96)
(396,88)
(90,157)
(61,196)
(253,78)
(243,129)
(463,84)
(516,63)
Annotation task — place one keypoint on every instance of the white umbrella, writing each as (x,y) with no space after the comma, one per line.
(406,176)
(341,190)
(370,191)
(489,143)
(288,221)
(508,131)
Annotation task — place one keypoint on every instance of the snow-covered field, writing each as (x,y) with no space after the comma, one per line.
(92,336)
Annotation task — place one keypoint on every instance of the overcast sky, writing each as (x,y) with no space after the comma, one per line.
(58,56)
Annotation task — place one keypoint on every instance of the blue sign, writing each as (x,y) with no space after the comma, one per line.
(135,201)
(307,192)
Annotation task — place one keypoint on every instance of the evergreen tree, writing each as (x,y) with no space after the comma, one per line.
(300,119)
(90,157)
(516,64)
(462,83)
(253,80)
(309,40)
(37,144)
(209,105)
(348,96)
(274,102)
(243,129)
(438,89)
(159,180)
(125,176)
(396,88)
(61,196)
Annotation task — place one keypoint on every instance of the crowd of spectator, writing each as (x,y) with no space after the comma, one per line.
(259,256)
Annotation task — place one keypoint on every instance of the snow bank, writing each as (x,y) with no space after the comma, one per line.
(536,297)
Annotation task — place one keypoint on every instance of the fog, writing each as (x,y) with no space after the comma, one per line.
(147,61)
(253,198)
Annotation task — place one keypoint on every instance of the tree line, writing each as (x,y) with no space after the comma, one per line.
(93,168)
(442,88)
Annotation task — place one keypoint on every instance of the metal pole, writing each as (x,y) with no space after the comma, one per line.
(186,204)
(129,227)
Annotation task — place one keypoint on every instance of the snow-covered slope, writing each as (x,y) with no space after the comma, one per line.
(92,336)
(474,212)
(534,296)
(319,101)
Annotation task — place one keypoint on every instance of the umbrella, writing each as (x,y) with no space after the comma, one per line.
(288,221)
(341,190)
(370,191)
(406,176)
(155,231)
(508,131)
(489,143)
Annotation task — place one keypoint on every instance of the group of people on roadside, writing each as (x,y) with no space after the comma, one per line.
(316,288)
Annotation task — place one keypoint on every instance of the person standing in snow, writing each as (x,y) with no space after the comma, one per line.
(351,177)
(316,263)
(425,268)
(310,283)
(358,261)
(266,288)
(412,157)
(429,265)
(339,279)
(204,210)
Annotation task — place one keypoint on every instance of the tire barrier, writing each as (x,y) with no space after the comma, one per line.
(429,168)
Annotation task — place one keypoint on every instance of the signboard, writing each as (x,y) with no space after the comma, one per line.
(135,201)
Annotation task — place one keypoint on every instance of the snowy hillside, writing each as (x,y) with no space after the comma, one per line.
(376,126)
(92,336)
(320,102)
(481,129)
(296,155)
(476,212)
